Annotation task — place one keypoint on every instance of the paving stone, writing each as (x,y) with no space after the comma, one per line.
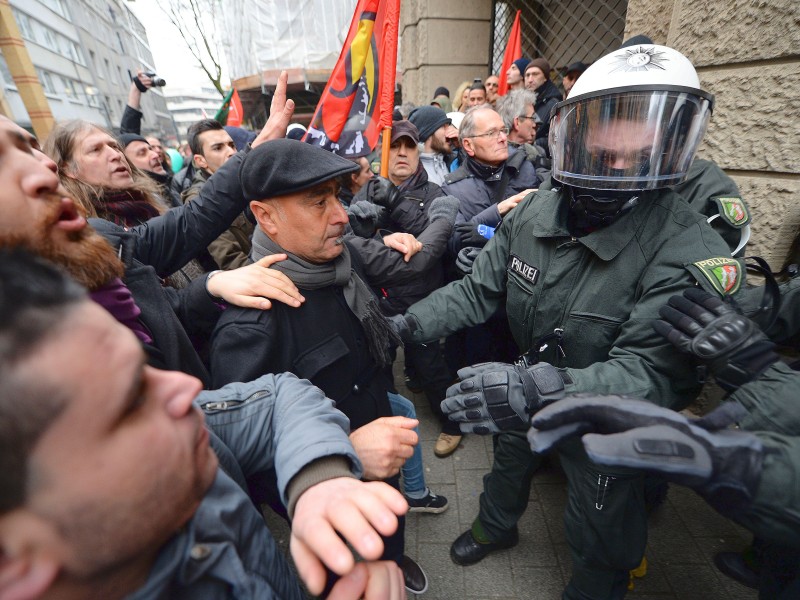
(445,579)
(491,577)
(538,583)
(696,581)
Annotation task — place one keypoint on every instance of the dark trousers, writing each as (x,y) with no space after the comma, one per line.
(605,517)
(426,363)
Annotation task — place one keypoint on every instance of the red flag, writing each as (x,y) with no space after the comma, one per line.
(235,110)
(231,111)
(359,97)
(513,52)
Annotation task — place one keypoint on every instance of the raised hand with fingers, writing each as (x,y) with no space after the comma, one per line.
(281,110)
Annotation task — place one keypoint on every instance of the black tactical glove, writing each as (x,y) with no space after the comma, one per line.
(494,397)
(383,192)
(722,465)
(443,207)
(404,326)
(731,345)
(469,236)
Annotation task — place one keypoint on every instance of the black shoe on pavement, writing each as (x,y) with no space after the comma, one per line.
(429,504)
(415,578)
(466,550)
(734,566)
(413,385)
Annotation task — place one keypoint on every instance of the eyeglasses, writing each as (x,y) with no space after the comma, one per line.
(493,134)
(532,117)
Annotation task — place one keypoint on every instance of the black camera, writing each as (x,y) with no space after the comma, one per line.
(157,81)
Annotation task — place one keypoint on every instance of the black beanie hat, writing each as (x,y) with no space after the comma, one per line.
(428,119)
(522,64)
(285,166)
(127,138)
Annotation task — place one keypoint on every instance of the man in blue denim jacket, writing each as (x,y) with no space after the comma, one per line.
(109,487)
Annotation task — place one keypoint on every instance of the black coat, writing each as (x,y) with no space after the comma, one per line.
(322,340)
(163,245)
(547,96)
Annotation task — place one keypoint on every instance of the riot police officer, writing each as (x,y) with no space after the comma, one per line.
(582,270)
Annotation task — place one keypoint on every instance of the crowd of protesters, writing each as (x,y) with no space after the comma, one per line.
(181,346)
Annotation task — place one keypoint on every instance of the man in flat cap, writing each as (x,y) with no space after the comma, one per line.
(338,338)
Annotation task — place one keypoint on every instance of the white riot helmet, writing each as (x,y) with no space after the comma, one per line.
(633,121)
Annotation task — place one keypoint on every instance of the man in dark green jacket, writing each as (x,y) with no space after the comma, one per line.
(582,271)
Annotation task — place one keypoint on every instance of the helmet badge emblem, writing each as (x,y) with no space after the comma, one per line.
(642,58)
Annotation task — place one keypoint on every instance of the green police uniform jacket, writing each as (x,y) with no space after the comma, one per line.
(602,290)
(773,405)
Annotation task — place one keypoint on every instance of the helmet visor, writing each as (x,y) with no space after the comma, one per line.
(631,140)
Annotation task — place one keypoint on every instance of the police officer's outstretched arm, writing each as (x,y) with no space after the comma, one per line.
(468,301)
(751,478)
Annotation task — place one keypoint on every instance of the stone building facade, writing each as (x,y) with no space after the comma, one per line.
(747,53)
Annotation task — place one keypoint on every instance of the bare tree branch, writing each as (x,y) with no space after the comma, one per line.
(191,18)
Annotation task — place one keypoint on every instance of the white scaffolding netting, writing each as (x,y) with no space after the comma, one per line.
(264,35)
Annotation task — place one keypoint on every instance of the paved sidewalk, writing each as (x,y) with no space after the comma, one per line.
(684,534)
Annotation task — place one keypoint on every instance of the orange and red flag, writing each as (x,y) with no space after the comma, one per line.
(358,99)
(513,52)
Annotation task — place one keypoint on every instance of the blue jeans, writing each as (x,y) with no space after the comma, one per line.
(413,475)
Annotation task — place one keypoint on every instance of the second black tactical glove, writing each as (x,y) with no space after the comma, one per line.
(733,347)
(383,192)
(494,397)
(722,465)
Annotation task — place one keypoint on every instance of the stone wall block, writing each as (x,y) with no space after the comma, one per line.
(457,9)
(711,32)
(409,47)
(755,120)
(776,215)
(409,12)
(650,18)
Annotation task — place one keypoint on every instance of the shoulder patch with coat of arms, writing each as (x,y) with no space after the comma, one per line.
(722,274)
(733,210)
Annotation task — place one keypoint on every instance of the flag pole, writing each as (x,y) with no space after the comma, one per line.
(386,141)
(389,69)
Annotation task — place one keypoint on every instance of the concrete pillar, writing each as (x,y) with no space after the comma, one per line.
(750,61)
(444,42)
(25,77)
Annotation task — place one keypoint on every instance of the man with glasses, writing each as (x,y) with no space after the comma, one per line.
(493,178)
(516,109)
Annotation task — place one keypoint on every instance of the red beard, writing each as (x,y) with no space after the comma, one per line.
(86,256)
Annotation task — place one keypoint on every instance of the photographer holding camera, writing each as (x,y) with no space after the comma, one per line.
(137,149)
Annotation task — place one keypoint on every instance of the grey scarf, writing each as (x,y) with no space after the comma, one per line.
(338,272)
